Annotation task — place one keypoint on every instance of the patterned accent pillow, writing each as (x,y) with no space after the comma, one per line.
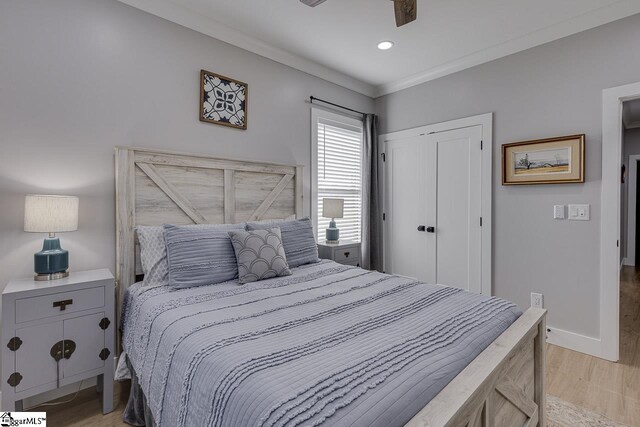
(260,254)
(153,254)
(197,256)
(298,239)
(153,249)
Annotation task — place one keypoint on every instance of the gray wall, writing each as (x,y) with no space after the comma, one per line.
(550,90)
(80,77)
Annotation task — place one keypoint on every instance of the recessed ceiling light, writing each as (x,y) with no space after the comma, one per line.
(385,45)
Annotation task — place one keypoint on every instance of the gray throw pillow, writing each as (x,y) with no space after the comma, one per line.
(200,256)
(153,249)
(298,239)
(260,254)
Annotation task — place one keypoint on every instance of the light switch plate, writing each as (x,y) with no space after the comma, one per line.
(558,212)
(579,212)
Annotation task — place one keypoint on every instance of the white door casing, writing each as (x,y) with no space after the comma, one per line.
(607,346)
(461,195)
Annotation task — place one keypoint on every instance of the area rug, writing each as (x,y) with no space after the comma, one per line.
(565,414)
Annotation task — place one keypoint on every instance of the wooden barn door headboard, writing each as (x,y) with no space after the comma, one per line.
(160,187)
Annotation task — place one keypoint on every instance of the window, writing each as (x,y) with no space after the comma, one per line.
(337,171)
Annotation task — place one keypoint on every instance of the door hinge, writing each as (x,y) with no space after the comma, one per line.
(384,216)
(14,343)
(384,157)
(14,379)
(104,323)
(480,221)
(618,243)
(104,354)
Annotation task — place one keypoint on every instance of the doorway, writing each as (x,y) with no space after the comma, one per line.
(437,187)
(608,346)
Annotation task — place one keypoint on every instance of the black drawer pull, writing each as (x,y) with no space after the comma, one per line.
(63,304)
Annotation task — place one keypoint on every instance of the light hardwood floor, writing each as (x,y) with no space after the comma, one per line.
(86,409)
(611,389)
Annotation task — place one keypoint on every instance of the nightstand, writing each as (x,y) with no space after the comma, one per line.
(56,333)
(344,252)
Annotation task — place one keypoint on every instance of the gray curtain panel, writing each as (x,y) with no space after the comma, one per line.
(371,196)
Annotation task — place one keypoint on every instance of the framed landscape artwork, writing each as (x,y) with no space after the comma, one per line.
(544,161)
(223,101)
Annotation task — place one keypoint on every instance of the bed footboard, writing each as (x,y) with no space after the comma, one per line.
(503,386)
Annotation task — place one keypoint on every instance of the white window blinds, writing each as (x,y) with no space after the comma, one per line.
(339,174)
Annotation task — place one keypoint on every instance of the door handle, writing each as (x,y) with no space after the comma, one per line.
(431,229)
(421,228)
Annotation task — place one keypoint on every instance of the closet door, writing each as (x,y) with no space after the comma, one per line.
(408,251)
(457,207)
(433,194)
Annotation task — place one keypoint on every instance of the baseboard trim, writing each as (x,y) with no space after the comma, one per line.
(573,341)
(627,261)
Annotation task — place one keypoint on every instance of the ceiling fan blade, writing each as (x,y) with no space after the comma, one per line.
(406,11)
(312,3)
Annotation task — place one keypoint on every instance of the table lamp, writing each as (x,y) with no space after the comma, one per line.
(332,208)
(50,214)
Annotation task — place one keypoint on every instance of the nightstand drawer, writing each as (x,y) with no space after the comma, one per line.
(354,262)
(347,255)
(44,306)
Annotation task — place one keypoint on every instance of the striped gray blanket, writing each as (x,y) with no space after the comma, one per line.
(328,345)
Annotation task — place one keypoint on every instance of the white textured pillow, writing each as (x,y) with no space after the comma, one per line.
(153,254)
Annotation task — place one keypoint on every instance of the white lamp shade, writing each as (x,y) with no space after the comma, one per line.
(332,208)
(50,214)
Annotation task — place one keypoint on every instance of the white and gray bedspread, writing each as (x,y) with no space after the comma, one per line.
(330,344)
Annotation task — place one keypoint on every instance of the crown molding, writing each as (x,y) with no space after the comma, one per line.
(181,15)
(178,14)
(588,20)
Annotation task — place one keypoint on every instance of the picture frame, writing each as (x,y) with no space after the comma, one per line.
(223,100)
(557,160)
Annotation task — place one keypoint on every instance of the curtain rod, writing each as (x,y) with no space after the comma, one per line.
(313,98)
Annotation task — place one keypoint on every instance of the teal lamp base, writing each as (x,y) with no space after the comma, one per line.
(52,262)
(332,233)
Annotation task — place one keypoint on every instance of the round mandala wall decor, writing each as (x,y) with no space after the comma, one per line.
(223,101)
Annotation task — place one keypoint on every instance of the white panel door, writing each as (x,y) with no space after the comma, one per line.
(408,252)
(458,208)
(433,187)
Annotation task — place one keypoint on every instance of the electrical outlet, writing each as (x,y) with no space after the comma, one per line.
(537,300)
(579,212)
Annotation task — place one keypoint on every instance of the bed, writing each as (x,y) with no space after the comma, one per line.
(328,345)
